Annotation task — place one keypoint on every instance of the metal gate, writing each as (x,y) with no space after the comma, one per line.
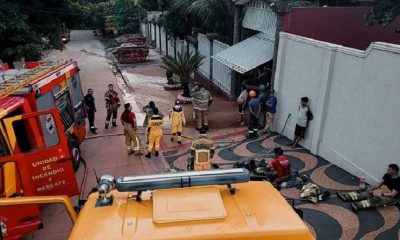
(221,73)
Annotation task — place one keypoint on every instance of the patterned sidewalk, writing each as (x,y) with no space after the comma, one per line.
(331,219)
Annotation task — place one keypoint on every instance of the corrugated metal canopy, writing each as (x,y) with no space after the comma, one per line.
(240,2)
(248,54)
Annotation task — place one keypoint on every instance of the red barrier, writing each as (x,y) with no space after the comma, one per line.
(30,65)
(4,67)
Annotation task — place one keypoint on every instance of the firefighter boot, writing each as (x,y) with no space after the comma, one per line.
(138,152)
(114,122)
(347,196)
(106,125)
(93,130)
(172,137)
(148,155)
(364,204)
(156,154)
(179,138)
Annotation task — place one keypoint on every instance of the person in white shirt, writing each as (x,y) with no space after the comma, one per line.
(303,116)
(242,101)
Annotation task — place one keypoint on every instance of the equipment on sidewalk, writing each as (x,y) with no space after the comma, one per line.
(284,126)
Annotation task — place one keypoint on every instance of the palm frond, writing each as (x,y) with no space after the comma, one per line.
(183,65)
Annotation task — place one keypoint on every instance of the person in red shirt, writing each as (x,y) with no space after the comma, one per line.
(128,120)
(280,167)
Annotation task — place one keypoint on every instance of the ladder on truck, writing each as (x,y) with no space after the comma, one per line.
(10,84)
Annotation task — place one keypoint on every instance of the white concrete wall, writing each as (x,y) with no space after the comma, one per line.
(354,98)
(171,47)
(181,47)
(204,49)
(157,37)
(143,29)
(153,34)
(163,41)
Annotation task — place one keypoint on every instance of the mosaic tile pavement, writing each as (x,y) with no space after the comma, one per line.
(331,219)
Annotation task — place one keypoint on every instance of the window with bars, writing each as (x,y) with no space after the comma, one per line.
(63,102)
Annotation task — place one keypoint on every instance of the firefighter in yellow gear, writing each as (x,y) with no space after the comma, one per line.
(154,133)
(201,152)
(128,120)
(177,118)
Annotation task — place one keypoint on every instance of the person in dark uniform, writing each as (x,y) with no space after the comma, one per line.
(90,109)
(254,108)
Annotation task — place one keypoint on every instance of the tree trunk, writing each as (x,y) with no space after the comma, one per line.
(169,76)
(279,21)
(235,88)
(185,87)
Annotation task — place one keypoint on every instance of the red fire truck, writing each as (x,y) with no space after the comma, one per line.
(42,122)
(60,88)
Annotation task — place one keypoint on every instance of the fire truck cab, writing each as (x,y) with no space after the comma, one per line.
(58,86)
(42,122)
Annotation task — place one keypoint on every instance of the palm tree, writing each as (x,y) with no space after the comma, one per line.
(183,66)
(213,15)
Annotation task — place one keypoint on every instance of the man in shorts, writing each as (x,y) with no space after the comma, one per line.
(302,121)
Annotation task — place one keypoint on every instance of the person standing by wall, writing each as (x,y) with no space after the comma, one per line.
(254,107)
(177,118)
(303,116)
(202,99)
(90,109)
(154,133)
(271,103)
(112,105)
(128,120)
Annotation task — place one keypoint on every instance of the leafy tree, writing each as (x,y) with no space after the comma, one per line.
(183,66)
(17,39)
(46,17)
(176,23)
(153,5)
(383,13)
(214,15)
(98,13)
(126,16)
(29,26)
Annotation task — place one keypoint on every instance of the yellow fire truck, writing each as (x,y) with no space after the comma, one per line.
(215,204)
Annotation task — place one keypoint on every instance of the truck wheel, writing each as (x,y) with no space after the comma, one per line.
(75,154)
